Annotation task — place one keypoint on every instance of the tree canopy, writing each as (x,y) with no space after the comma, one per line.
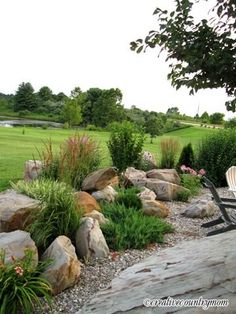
(202,53)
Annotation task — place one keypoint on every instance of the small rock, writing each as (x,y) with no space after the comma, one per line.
(97,215)
(149,160)
(147,194)
(200,209)
(107,194)
(32,169)
(155,208)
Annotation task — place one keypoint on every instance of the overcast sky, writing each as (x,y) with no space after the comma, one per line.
(85,43)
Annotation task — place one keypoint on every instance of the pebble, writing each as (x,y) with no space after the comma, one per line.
(98,274)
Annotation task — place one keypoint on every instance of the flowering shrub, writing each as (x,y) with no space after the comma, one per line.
(191,171)
(21,285)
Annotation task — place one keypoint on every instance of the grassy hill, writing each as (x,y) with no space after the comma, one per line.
(21,144)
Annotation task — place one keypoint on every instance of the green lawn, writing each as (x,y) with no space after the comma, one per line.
(17,146)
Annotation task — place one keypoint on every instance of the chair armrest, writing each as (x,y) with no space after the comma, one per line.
(226,205)
(230,200)
(226,199)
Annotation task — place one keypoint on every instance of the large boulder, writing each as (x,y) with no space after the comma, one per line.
(16,243)
(200,209)
(64,271)
(155,208)
(14,210)
(165,191)
(169,175)
(134,177)
(86,202)
(202,269)
(99,179)
(107,194)
(32,169)
(90,241)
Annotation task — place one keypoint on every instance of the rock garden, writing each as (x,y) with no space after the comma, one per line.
(69,227)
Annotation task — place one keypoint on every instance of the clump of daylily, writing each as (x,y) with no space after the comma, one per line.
(21,285)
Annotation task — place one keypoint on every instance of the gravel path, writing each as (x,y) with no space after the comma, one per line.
(98,274)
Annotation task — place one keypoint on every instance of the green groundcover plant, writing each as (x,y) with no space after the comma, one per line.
(21,286)
(129,197)
(58,214)
(191,180)
(130,228)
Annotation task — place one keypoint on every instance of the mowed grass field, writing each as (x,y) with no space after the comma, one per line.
(20,144)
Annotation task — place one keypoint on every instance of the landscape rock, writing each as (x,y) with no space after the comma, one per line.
(155,208)
(134,177)
(32,169)
(200,209)
(169,175)
(149,160)
(86,202)
(16,243)
(64,271)
(14,210)
(114,181)
(90,241)
(99,179)
(147,194)
(203,268)
(107,194)
(165,191)
(97,215)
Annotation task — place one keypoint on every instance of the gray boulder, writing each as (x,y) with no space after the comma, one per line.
(169,175)
(135,177)
(16,243)
(165,191)
(14,210)
(90,241)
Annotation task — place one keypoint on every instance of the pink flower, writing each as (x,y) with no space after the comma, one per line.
(202,172)
(19,270)
(183,168)
(193,172)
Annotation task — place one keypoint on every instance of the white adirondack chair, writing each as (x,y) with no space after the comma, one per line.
(231,179)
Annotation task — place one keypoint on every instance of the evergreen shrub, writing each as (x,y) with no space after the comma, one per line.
(125,145)
(216,153)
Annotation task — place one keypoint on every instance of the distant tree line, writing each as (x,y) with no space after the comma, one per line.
(97,108)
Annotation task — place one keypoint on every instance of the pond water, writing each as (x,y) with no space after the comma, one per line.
(27,122)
